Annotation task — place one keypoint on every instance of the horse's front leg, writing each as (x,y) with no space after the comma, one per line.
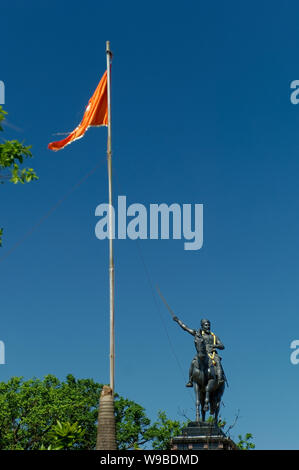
(207,399)
(209,389)
(216,414)
(202,404)
(196,388)
(217,402)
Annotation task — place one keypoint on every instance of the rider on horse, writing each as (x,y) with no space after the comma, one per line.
(212,342)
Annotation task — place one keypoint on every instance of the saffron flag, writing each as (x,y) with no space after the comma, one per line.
(96,114)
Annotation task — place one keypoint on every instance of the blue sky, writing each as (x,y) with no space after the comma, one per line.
(201,113)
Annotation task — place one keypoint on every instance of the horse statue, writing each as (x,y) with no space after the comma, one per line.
(208,389)
(206,372)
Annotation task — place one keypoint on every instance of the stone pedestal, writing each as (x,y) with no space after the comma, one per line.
(202,436)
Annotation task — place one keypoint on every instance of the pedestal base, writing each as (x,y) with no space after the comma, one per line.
(202,436)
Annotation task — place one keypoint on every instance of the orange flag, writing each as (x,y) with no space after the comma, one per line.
(96,114)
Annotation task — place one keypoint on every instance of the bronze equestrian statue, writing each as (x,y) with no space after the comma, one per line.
(206,372)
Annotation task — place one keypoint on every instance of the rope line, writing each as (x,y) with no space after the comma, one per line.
(157,305)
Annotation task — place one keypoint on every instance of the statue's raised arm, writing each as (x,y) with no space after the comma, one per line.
(184,327)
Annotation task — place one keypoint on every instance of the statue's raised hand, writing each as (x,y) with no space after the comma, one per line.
(175,318)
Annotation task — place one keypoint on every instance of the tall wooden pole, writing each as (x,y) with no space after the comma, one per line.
(106,435)
(111,228)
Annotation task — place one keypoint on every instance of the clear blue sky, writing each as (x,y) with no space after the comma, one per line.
(201,114)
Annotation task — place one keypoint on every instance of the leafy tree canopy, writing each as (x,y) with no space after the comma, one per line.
(33,412)
(50,414)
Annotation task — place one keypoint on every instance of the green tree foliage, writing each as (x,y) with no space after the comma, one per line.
(47,414)
(29,410)
(12,156)
(50,414)
(64,436)
(162,431)
(135,431)
(245,442)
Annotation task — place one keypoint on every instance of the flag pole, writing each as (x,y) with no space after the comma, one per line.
(106,434)
(111,260)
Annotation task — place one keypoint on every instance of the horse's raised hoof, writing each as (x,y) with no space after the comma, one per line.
(189,384)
